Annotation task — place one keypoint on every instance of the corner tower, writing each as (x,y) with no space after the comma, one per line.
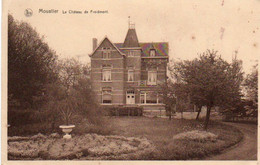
(131,40)
(132,50)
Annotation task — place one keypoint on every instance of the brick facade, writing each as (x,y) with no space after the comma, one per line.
(121,72)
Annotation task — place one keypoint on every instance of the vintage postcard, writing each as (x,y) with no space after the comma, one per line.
(130,82)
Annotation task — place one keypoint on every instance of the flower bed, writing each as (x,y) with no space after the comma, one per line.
(89,146)
(196,135)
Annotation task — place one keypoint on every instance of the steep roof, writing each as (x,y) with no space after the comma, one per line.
(131,39)
(161,48)
(106,38)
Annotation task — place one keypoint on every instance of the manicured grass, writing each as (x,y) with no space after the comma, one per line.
(161,131)
(158,131)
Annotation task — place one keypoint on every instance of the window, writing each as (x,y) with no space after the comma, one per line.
(131,75)
(130,92)
(106,73)
(152,52)
(152,78)
(106,53)
(151,98)
(131,53)
(142,98)
(160,98)
(106,95)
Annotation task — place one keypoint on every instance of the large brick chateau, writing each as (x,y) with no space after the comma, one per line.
(128,73)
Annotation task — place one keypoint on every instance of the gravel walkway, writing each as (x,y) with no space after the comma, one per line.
(246,149)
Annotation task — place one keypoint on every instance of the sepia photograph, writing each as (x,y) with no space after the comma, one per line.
(130,80)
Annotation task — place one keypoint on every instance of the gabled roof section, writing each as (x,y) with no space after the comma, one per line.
(112,45)
(131,39)
(152,47)
(119,45)
(162,48)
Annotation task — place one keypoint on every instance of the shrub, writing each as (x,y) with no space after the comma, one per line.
(196,135)
(125,111)
(22,117)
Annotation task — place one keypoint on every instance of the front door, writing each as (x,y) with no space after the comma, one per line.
(130,97)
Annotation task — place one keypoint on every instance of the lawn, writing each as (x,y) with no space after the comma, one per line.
(158,132)
(161,131)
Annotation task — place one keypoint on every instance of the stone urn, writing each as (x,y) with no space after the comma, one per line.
(67,129)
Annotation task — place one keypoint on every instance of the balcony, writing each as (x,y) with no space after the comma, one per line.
(145,83)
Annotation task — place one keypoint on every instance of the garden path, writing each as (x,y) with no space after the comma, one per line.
(246,149)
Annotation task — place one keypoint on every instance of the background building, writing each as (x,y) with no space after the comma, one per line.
(129,73)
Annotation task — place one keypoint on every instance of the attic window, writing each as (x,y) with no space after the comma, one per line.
(152,52)
(106,52)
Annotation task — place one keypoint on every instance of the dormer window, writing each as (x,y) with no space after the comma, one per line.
(106,52)
(152,52)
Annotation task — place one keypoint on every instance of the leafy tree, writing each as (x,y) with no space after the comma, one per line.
(167,93)
(30,63)
(182,97)
(71,96)
(251,86)
(209,81)
(70,70)
(234,105)
(174,92)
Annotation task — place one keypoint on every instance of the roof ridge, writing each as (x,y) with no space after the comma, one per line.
(151,42)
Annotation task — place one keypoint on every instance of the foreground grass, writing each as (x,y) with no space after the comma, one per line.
(158,131)
(161,131)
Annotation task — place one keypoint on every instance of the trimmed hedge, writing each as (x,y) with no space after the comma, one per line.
(125,111)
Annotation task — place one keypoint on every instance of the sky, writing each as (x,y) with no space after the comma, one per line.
(191,27)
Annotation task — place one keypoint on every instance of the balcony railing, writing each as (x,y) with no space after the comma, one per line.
(142,83)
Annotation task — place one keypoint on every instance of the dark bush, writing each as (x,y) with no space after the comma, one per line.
(124,111)
(18,117)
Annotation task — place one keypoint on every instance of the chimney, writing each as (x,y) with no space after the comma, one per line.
(94,40)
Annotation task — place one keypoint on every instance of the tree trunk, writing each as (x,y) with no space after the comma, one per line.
(200,107)
(67,119)
(207,118)
(52,126)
